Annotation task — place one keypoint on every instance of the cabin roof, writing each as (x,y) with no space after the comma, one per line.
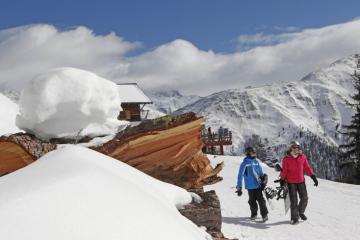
(131,93)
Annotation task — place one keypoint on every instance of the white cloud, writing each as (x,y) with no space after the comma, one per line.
(287,28)
(181,65)
(26,51)
(29,50)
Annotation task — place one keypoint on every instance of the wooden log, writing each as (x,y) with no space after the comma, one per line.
(168,148)
(206,213)
(19,150)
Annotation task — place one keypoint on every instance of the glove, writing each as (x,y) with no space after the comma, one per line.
(282,183)
(316,183)
(264,180)
(239,192)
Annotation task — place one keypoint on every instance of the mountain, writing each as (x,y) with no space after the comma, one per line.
(316,105)
(169,101)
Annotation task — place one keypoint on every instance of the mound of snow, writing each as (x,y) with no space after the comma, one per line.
(8,112)
(77,193)
(64,101)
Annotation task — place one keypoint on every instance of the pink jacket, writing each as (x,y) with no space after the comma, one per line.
(293,169)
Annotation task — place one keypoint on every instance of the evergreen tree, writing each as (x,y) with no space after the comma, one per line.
(259,144)
(352,146)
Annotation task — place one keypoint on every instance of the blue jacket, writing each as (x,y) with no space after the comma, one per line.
(246,171)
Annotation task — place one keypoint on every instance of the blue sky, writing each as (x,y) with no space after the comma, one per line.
(207,24)
(196,47)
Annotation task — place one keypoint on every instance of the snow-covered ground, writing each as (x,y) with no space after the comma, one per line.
(78,194)
(8,112)
(332,211)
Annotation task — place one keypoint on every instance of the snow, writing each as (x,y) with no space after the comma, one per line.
(8,112)
(332,210)
(66,102)
(169,101)
(131,93)
(317,103)
(77,193)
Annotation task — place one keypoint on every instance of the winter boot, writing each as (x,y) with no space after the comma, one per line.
(294,221)
(303,217)
(265,218)
(253,216)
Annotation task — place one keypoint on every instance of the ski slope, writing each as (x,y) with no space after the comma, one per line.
(332,211)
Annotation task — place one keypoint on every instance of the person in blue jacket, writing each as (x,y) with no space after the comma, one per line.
(255,182)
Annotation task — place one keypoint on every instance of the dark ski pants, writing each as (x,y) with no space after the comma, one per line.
(256,195)
(295,207)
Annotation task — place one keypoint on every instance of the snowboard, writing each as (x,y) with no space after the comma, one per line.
(270,203)
(287,201)
(268,199)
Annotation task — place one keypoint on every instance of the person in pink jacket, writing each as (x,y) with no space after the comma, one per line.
(294,165)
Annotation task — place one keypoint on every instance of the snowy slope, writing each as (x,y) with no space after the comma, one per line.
(169,101)
(8,112)
(280,111)
(77,193)
(332,210)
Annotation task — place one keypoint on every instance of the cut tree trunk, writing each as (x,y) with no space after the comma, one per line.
(167,148)
(206,213)
(19,150)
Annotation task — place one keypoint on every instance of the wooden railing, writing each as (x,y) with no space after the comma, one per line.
(215,139)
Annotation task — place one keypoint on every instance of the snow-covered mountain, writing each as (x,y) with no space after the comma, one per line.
(169,101)
(283,111)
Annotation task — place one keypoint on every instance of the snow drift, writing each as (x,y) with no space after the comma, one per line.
(77,193)
(8,112)
(65,101)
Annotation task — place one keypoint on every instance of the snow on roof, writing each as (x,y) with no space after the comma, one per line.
(131,93)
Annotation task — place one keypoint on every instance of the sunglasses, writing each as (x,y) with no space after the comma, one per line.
(295,147)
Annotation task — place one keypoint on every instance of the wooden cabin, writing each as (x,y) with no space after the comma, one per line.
(133,100)
(214,142)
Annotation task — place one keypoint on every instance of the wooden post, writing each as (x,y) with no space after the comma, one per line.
(221,149)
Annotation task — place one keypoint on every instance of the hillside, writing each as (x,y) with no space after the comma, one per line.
(284,111)
(167,102)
